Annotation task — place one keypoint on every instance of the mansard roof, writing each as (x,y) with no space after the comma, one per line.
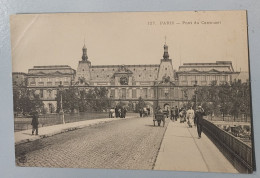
(220,66)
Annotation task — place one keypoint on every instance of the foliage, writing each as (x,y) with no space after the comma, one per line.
(225,99)
(26,100)
(83,100)
(140,104)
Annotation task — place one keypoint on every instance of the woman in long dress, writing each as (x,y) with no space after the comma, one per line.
(190,117)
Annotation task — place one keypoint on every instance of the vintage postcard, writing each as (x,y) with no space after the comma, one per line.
(133,90)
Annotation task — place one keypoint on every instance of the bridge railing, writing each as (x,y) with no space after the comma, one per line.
(238,152)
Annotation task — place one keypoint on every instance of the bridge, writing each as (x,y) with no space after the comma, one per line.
(216,151)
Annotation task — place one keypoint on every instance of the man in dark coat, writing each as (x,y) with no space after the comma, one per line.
(123,112)
(35,122)
(199,116)
(116,112)
(176,113)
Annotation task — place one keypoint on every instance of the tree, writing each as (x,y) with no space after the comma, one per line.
(70,100)
(140,104)
(26,100)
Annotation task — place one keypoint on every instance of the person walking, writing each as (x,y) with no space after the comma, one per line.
(190,117)
(123,112)
(35,122)
(199,116)
(141,112)
(116,112)
(172,113)
(176,113)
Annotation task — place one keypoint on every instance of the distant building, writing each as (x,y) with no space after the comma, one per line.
(45,80)
(205,73)
(153,82)
(126,81)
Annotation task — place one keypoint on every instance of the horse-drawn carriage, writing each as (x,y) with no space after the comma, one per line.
(159,117)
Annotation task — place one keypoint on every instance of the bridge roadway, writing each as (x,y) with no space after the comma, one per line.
(182,150)
(130,143)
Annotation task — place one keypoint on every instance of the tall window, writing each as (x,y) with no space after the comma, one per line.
(145,92)
(134,93)
(49,93)
(41,93)
(124,93)
(112,94)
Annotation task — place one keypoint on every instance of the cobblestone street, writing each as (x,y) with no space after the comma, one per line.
(124,144)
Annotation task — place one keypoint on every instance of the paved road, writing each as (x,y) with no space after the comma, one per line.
(124,144)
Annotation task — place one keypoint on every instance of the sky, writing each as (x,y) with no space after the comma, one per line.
(129,38)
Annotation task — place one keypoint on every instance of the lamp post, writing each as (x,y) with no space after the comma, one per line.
(61,107)
(196,92)
(110,104)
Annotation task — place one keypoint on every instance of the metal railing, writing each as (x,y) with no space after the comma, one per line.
(238,152)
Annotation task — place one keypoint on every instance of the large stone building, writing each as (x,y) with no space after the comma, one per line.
(153,82)
(158,84)
(205,73)
(45,80)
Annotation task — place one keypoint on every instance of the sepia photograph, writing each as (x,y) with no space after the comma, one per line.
(133,90)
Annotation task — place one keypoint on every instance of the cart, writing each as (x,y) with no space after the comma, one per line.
(159,117)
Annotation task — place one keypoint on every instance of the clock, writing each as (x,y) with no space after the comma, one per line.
(124,81)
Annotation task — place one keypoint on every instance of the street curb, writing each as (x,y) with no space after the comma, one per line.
(65,130)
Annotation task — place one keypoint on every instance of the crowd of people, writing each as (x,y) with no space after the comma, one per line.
(191,117)
(118,112)
(144,112)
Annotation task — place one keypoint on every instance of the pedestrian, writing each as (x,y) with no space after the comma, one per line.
(184,114)
(111,113)
(141,112)
(181,115)
(116,112)
(176,113)
(199,116)
(120,113)
(145,112)
(172,113)
(124,112)
(167,112)
(35,122)
(190,117)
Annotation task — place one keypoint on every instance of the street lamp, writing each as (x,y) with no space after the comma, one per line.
(196,92)
(61,107)
(110,105)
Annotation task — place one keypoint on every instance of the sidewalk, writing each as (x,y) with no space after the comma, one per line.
(26,135)
(181,150)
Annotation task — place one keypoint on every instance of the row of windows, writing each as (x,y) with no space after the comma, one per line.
(49,79)
(204,77)
(49,83)
(109,76)
(133,69)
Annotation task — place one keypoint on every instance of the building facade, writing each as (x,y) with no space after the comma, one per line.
(45,81)
(205,73)
(158,84)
